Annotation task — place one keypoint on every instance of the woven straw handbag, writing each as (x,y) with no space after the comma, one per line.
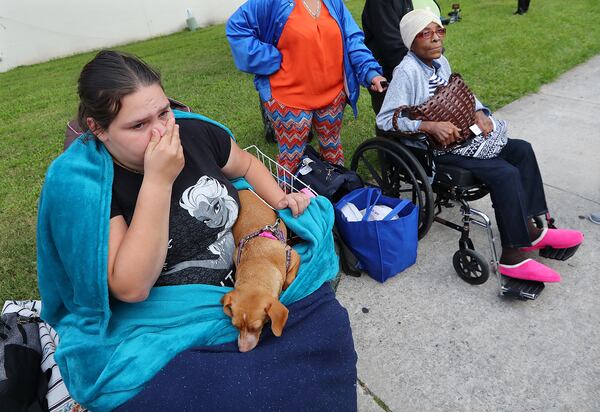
(453,103)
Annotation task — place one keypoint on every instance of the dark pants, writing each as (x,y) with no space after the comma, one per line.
(311,367)
(515,184)
(523,5)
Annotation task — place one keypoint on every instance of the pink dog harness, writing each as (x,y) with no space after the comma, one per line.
(268,235)
(270,232)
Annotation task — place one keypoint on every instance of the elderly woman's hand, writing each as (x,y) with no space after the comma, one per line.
(376,85)
(445,133)
(297,202)
(484,122)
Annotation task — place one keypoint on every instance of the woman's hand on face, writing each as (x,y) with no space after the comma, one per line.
(445,133)
(376,84)
(163,159)
(297,202)
(484,122)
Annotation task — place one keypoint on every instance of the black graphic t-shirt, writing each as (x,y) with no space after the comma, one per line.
(204,207)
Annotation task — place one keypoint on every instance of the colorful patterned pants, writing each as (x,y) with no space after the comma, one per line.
(292,127)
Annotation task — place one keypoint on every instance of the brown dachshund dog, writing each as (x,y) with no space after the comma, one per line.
(265,266)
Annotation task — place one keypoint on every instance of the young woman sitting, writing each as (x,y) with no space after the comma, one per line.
(135,252)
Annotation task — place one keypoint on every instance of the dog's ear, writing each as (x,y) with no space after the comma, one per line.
(227,301)
(292,270)
(278,315)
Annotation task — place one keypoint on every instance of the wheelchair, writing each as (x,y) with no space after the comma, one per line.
(402,165)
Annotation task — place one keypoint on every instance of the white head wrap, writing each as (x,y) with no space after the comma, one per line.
(414,22)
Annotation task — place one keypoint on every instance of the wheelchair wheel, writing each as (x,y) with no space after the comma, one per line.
(471,266)
(396,171)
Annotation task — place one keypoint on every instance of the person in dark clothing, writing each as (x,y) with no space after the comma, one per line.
(522,6)
(380,23)
(380,20)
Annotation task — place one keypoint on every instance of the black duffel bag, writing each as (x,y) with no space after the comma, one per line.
(325,178)
(23,385)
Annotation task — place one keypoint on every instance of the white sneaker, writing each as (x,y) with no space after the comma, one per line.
(595,218)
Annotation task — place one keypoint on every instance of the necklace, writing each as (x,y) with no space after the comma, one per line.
(127,168)
(315,13)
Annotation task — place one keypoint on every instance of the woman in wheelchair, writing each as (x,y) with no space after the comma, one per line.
(507,166)
(144,199)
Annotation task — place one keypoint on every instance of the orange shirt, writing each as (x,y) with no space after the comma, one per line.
(311,74)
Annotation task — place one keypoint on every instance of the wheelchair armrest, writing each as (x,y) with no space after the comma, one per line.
(418,140)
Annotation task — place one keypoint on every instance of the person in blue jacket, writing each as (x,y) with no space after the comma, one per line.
(309,59)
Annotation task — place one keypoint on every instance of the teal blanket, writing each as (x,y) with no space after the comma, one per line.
(108,349)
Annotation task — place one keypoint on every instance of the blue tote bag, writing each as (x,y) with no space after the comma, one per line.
(383,247)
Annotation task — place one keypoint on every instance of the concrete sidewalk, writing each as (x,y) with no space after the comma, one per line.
(428,341)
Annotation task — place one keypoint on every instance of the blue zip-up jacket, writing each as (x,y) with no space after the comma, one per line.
(255,28)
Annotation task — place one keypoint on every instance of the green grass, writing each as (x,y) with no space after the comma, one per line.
(502,57)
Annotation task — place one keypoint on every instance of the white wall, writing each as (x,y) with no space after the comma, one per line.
(33,31)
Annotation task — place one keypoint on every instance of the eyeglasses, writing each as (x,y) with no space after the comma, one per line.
(427,34)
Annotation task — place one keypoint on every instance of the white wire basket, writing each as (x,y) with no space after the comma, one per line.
(286,179)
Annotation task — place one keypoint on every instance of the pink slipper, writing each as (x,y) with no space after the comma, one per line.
(558,244)
(529,269)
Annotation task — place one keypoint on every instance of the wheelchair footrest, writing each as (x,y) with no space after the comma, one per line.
(521,289)
(558,254)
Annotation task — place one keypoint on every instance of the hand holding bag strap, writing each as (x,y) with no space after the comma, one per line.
(453,103)
(404,203)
